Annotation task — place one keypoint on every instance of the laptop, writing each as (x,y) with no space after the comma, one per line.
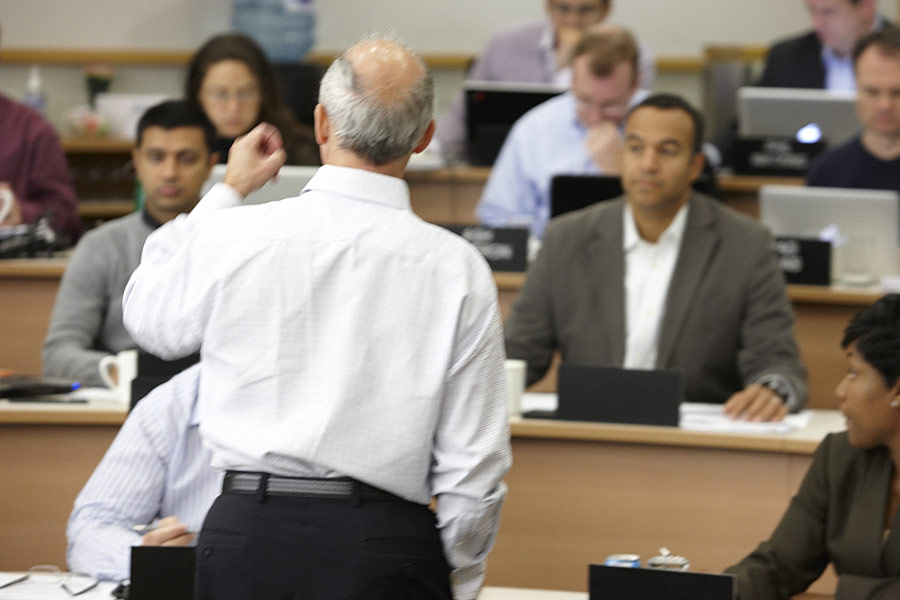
(617,395)
(862,225)
(291,180)
(162,572)
(574,192)
(153,371)
(622,583)
(807,115)
(491,109)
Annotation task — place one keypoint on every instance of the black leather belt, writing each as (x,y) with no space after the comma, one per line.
(239,482)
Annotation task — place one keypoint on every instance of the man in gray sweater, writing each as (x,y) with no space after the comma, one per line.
(173,159)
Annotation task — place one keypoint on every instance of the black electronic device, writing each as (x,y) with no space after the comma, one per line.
(623,583)
(491,110)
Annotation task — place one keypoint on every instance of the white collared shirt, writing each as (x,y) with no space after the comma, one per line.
(648,272)
(341,336)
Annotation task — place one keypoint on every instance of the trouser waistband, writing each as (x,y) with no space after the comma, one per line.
(264,484)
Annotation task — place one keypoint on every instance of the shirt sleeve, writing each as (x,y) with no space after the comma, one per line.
(510,196)
(529,329)
(795,556)
(169,296)
(125,489)
(78,313)
(471,447)
(859,587)
(130,485)
(49,184)
(767,330)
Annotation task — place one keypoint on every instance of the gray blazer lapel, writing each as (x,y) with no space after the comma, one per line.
(605,250)
(697,248)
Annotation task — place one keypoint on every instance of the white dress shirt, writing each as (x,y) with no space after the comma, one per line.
(648,272)
(341,336)
(156,467)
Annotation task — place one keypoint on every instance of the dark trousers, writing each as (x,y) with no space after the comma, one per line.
(291,548)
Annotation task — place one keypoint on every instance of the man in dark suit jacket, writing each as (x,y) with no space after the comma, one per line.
(664,278)
(804,61)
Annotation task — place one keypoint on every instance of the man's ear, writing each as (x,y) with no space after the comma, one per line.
(426,138)
(321,124)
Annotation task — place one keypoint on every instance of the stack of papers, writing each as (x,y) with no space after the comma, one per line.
(697,417)
(709,417)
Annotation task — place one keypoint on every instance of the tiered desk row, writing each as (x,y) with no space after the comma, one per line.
(578,492)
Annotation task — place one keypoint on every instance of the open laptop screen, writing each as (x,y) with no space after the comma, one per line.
(491,109)
(622,583)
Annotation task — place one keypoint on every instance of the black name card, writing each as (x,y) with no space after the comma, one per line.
(505,248)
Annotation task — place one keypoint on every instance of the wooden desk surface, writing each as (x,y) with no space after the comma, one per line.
(577,492)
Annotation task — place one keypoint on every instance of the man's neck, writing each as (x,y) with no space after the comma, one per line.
(652,223)
(344,158)
(163,217)
(884,147)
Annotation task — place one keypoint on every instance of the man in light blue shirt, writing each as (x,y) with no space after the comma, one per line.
(156,467)
(576,133)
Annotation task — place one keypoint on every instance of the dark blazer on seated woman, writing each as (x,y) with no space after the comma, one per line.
(838,517)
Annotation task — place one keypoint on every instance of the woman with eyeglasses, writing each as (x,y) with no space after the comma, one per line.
(846,511)
(231,79)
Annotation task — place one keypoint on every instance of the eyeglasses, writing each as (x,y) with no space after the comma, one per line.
(223,96)
(40,576)
(580,10)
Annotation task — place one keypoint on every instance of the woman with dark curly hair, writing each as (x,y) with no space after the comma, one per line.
(846,512)
(231,79)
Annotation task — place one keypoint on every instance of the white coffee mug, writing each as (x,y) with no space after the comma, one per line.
(6,203)
(125,363)
(515,383)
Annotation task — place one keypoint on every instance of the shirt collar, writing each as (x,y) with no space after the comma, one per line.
(149,220)
(672,235)
(361,185)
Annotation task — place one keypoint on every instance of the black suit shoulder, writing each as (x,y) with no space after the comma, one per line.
(795,62)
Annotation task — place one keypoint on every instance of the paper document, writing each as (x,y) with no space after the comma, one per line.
(709,417)
(696,417)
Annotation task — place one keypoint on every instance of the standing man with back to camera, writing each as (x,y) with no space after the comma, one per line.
(351,362)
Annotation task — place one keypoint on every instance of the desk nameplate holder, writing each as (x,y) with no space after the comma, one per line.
(779,156)
(505,248)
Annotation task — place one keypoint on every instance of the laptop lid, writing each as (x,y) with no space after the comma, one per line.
(806,115)
(622,583)
(617,395)
(162,572)
(491,109)
(574,192)
(291,180)
(862,225)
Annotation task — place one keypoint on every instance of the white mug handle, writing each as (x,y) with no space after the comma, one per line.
(6,202)
(105,367)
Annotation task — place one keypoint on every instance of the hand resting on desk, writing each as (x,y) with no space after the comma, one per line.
(169,532)
(756,403)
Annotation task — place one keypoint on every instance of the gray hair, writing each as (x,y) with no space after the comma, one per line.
(377,130)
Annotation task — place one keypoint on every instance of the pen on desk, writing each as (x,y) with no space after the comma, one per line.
(145,527)
(15,579)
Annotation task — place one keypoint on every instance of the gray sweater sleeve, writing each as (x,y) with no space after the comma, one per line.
(86,323)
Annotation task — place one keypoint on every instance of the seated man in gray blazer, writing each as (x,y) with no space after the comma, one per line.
(665,278)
